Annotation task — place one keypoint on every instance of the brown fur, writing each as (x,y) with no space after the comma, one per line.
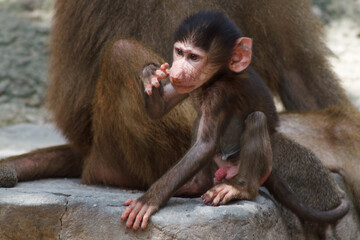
(288,52)
(305,174)
(333,135)
(125,138)
(58,161)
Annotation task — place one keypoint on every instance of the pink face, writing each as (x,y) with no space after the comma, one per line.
(190,68)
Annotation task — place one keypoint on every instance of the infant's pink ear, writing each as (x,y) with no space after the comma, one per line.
(242,55)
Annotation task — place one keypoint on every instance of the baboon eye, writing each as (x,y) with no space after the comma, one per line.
(194,57)
(179,51)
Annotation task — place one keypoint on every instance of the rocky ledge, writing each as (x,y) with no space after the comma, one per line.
(66,209)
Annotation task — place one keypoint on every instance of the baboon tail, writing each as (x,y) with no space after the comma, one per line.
(283,194)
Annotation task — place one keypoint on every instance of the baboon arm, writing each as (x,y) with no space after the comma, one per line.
(139,210)
(159,98)
(171,97)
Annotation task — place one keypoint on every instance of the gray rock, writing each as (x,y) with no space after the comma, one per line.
(66,209)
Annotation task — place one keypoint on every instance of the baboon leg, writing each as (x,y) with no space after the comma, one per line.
(129,149)
(58,161)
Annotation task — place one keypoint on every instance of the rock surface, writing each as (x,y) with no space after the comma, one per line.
(66,209)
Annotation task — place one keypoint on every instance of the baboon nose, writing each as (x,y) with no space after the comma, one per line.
(176,80)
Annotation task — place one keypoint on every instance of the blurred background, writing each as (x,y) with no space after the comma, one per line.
(24,35)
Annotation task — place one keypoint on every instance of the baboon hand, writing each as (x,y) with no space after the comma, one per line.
(154,81)
(226,191)
(221,194)
(138,213)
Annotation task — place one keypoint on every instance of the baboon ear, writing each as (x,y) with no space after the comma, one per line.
(241,55)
